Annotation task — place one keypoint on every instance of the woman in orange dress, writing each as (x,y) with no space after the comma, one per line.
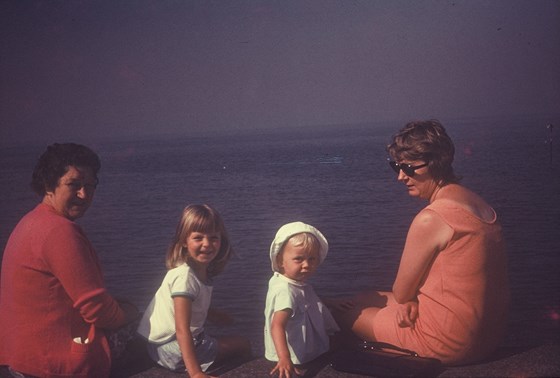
(451,294)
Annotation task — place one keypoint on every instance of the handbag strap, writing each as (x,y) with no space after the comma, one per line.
(378,345)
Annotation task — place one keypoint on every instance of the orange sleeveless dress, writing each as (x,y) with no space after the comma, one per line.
(463,299)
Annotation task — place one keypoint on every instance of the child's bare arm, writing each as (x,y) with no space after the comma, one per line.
(184,336)
(284,367)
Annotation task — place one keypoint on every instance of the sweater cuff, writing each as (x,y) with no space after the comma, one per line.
(100,308)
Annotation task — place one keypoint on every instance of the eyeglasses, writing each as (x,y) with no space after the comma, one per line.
(78,185)
(408,169)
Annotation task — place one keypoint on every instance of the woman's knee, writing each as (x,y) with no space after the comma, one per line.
(363,324)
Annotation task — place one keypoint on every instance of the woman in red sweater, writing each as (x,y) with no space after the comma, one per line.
(54,308)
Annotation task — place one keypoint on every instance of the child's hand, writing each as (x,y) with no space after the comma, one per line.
(286,369)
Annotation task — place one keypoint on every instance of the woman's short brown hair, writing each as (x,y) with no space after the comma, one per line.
(426,141)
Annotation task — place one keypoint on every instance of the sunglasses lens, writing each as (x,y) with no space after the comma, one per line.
(395,166)
(408,170)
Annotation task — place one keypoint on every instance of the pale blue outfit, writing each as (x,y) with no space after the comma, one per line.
(158,323)
(309,326)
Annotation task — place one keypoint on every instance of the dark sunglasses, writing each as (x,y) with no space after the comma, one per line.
(408,169)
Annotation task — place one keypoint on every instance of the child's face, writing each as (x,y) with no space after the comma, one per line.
(296,262)
(203,247)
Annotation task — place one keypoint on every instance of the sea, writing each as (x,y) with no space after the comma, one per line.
(335,177)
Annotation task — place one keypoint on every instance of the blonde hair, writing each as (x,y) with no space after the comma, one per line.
(199,218)
(308,241)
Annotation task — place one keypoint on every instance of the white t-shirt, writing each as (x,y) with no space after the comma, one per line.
(158,323)
(308,329)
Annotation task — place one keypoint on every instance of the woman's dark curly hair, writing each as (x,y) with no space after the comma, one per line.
(55,162)
(426,141)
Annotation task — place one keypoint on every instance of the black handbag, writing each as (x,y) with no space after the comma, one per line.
(379,359)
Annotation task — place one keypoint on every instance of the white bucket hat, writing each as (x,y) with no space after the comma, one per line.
(286,232)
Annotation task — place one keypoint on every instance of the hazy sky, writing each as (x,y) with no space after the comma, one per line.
(75,69)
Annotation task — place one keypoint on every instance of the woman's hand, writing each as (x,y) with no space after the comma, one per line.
(286,369)
(407,314)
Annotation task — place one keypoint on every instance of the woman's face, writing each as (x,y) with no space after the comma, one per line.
(419,184)
(73,194)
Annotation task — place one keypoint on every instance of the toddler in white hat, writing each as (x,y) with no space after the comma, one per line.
(297,323)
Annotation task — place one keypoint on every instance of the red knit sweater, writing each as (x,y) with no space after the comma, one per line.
(52,292)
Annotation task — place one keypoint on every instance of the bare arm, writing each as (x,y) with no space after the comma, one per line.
(284,367)
(184,336)
(427,235)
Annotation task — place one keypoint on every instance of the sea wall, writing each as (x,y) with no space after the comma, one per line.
(539,361)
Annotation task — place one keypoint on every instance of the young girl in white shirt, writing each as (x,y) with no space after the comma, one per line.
(297,323)
(174,321)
